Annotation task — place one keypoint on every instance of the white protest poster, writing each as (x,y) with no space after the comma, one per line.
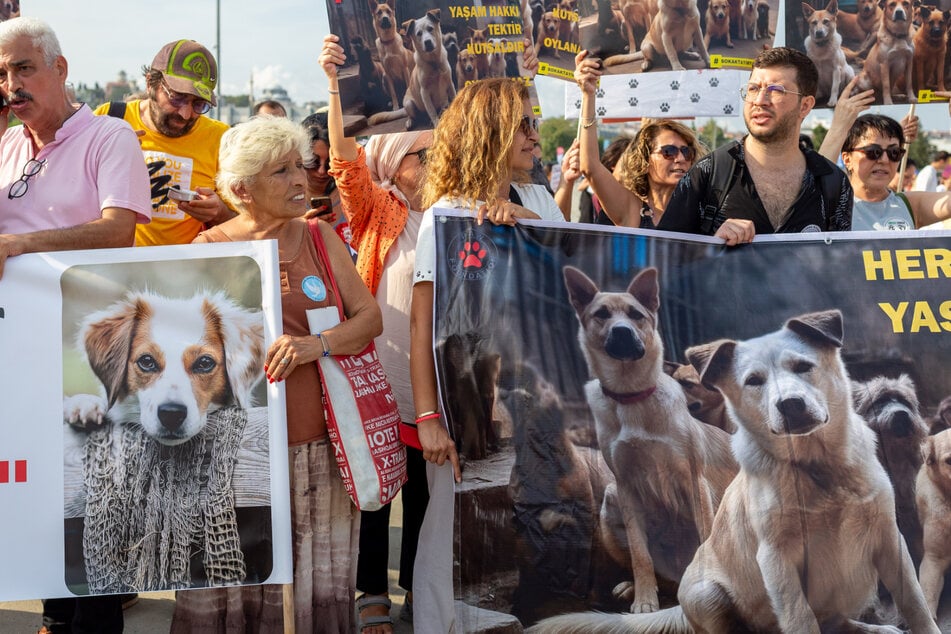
(139,448)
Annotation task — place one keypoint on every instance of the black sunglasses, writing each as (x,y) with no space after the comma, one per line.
(420,154)
(669,152)
(528,124)
(874,151)
(20,187)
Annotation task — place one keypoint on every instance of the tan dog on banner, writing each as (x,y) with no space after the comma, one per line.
(860,28)
(674,29)
(931,43)
(430,86)
(807,528)
(397,62)
(683,466)
(934,509)
(718,23)
(466,69)
(824,48)
(888,67)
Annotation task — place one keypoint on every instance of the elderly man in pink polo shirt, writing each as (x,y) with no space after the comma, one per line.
(68,179)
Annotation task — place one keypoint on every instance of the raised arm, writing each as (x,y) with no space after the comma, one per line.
(847,110)
(332,56)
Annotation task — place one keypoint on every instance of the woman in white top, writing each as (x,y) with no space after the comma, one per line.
(479,160)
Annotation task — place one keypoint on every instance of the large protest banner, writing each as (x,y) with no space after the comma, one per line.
(139,449)
(541,528)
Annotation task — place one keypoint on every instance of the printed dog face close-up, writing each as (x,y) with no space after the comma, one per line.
(166,363)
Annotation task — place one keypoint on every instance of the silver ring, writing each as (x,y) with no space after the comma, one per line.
(285,361)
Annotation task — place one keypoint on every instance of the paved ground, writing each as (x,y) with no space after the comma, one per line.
(153,612)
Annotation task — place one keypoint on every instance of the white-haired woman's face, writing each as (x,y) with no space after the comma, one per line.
(279,190)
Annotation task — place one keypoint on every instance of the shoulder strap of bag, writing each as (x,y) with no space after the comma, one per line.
(723,171)
(325,260)
(117,109)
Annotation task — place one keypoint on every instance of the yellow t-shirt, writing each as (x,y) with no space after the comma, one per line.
(190,161)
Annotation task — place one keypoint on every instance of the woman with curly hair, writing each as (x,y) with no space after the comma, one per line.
(479,161)
(636,195)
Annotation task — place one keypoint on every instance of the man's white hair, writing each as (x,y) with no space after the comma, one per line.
(37,30)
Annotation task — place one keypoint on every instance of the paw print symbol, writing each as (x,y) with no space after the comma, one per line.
(728,109)
(664,107)
(602,111)
(599,93)
(632,84)
(472,255)
(578,104)
(675,85)
(714,82)
(632,101)
(694,97)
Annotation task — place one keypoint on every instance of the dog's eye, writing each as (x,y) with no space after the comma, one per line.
(204,364)
(147,363)
(802,367)
(754,380)
(602,313)
(634,313)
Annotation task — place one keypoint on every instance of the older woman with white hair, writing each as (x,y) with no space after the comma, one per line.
(261,175)
(380,190)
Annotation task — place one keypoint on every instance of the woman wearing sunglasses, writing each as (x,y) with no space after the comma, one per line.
(379,187)
(479,162)
(871,153)
(636,194)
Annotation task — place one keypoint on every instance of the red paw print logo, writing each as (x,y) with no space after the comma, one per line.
(471,255)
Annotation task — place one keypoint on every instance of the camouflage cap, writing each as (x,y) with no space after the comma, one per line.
(188,68)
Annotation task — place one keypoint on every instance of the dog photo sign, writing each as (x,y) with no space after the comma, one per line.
(148,454)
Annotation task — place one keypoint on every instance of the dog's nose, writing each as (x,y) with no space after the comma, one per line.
(172,415)
(796,418)
(901,424)
(623,344)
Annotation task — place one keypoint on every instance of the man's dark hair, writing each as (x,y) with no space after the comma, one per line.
(269,103)
(152,77)
(886,126)
(316,127)
(807,75)
(940,156)
(612,153)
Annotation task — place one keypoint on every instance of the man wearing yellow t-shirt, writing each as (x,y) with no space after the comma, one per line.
(180,144)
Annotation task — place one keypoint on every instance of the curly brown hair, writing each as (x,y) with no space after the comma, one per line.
(469,157)
(634,164)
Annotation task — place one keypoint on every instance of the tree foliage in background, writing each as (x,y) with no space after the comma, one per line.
(556,132)
(819,133)
(921,149)
(712,135)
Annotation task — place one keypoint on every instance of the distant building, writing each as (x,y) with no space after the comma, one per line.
(118,90)
(232,114)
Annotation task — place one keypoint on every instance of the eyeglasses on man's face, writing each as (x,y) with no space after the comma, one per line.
(771,92)
(19,187)
(177,100)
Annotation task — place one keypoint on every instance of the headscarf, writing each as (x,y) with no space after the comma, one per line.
(384,153)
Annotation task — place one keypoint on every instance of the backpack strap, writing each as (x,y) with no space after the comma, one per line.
(830,185)
(117,109)
(723,171)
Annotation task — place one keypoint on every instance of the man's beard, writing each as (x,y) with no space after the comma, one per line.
(161,121)
(785,128)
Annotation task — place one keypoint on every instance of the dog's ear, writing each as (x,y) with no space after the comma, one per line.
(433,15)
(823,328)
(372,4)
(712,360)
(671,367)
(107,338)
(408,26)
(644,289)
(807,10)
(832,7)
(924,12)
(243,336)
(581,290)
(928,452)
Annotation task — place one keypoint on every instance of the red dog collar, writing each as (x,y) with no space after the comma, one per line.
(630,398)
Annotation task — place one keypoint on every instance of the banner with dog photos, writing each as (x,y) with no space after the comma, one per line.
(139,448)
(620,396)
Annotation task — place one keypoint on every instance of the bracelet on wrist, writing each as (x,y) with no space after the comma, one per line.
(587,123)
(333,92)
(323,344)
(427,416)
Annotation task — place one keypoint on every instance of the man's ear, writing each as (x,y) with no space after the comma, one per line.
(61,66)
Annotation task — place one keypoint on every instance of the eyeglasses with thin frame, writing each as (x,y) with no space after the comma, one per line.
(177,99)
(874,151)
(528,124)
(670,152)
(773,92)
(19,188)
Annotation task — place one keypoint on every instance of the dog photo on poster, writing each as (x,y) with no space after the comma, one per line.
(898,48)
(635,36)
(673,435)
(406,60)
(166,438)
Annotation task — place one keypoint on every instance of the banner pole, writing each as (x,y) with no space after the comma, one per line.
(288,591)
(904,158)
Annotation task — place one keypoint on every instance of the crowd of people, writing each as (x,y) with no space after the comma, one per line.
(269,178)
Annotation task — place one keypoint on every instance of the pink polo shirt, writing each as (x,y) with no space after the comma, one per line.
(92,164)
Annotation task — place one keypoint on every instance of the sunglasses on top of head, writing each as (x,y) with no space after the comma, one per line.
(874,151)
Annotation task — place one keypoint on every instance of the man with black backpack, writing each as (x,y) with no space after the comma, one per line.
(767,182)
